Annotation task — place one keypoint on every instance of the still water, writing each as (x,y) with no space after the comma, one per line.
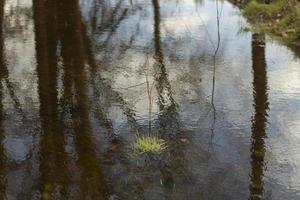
(73,95)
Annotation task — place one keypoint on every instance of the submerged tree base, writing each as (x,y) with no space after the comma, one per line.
(149,145)
(279,18)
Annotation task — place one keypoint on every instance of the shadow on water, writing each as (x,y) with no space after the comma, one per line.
(261,107)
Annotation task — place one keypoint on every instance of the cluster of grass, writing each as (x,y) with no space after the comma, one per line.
(255,10)
(149,144)
(289,25)
(280,18)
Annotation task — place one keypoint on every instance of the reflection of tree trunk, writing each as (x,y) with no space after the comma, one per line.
(92,180)
(2,155)
(167,105)
(53,169)
(260,117)
(168,117)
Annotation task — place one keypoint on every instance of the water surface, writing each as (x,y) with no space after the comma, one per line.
(74,94)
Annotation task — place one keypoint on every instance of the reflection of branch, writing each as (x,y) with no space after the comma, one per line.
(215,57)
(110,22)
(214,72)
(128,112)
(20,16)
(114,27)
(127,46)
(107,23)
(99,111)
(13,96)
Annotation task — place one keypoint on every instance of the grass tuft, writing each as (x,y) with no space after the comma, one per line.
(255,9)
(149,144)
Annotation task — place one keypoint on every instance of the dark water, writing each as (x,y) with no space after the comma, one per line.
(74,94)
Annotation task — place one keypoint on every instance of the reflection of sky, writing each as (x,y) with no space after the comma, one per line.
(284,124)
(284,72)
(21,118)
(20,52)
(184,39)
